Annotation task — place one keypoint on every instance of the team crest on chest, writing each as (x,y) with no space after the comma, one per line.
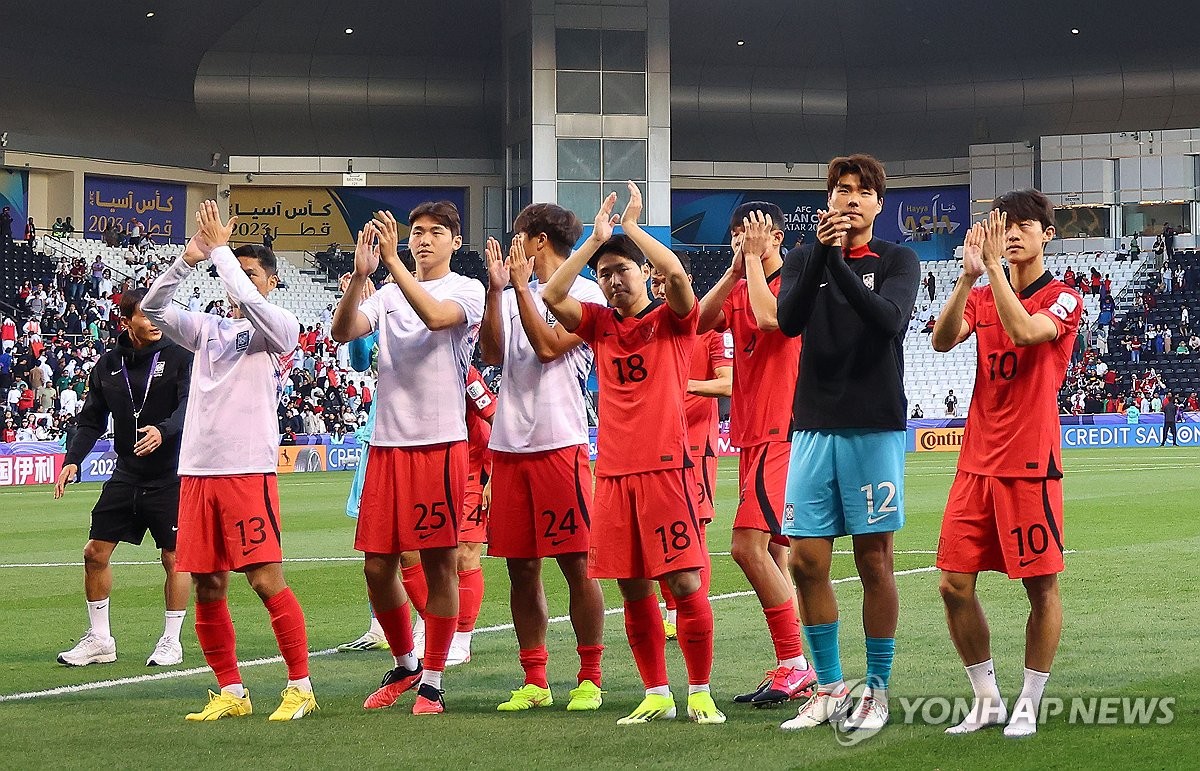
(243,341)
(551,319)
(869,280)
(159,369)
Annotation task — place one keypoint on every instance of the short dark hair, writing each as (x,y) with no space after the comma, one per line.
(560,225)
(868,168)
(130,301)
(766,207)
(445,213)
(1026,205)
(265,257)
(619,244)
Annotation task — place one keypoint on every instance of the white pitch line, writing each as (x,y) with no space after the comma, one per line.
(102,684)
(358,559)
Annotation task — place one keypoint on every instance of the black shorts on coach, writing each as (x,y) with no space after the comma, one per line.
(126,510)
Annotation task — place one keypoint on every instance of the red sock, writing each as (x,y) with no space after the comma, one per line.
(785,630)
(666,593)
(439,632)
(413,578)
(287,621)
(533,661)
(696,636)
(214,630)
(589,662)
(397,628)
(648,640)
(470,598)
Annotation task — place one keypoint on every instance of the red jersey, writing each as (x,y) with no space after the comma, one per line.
(766,366)
(712,350)
(481,406)
(1012,427)
(642,366)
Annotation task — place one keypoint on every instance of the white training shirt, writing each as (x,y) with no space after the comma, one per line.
(541,405)
(420,396)
(240,365)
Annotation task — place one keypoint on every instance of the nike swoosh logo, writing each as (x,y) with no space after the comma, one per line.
(115,373)
(825,284)
(669,560)
(880,518)
(426,536)
(559,542)
(1027,563)
(248,552)
(985,324)
(174,529)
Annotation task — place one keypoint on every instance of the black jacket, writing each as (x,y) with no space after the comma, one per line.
(853,314)
(108,394)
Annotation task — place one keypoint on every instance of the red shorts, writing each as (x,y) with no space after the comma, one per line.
(412,498)
(762,483)
(227,523)
(541,503)
(473,526)
(645,526)
(1013,526)
(705,484)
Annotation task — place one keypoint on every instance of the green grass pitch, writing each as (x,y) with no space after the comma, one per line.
(1129,599)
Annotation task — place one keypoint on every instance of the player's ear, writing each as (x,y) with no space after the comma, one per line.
(1048,234)
(458,242)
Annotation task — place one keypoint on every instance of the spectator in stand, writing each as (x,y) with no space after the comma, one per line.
(951,404)
(6,222)
(1134,345)
(1106,288)
(68,228)
(1193,402)
(327,316)
(27,432)
(135,233)
(1165,333)
(1170,416)
(1180,280)
(1132,414)
(1096,281)
(917,413)
(8,334)
(1194,343)
(1160,252)
(268,238)
(1185,326)
(929,325)
(195,303)
(31,234)
(58,228)
(46,398)
(1156,404)
(1168,234)
(97,275)
(1182,348)
(930,284)
(1167,277)
(9,435)
(1069,277)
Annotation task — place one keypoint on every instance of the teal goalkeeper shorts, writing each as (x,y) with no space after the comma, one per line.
(844,482)
(356,487)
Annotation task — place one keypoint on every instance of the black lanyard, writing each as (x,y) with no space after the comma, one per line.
(137,410)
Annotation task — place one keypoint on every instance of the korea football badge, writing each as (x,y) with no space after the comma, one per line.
(243,340)
(869,280)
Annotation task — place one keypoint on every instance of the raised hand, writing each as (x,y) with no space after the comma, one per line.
(196,250)
(758,230)
(214,232)
(605,219)
(993,237)
(520,267)
(973,266)
(366,251)
(497,268)
(633,209)
(832,227)
(738,266)
(388,232)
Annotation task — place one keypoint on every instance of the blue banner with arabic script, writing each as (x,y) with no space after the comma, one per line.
(160,207)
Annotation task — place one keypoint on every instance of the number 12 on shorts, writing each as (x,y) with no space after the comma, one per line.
(887,492)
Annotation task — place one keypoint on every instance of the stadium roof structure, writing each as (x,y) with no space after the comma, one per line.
(903,78)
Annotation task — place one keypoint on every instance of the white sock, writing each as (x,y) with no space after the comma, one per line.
(461,639)
(659,690)
(419,627)
(799,662)
(430,677)
(98,617)
(672,615)
(698,689)
(174,623)
(408,660)
(837,688)
(988,708)
(237,689)
(880,695)
(1025,711)
(376,627)
(303,684)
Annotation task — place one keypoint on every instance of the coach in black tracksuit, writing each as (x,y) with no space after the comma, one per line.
(142,383)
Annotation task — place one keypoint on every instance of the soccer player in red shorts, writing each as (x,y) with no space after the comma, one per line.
(766,363)
(1005,507)
(646,526)
(417,464)
(228,502)
(542,481)
(710,377)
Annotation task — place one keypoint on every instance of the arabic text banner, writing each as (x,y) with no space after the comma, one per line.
(14,193)
(160,207)
(702,216)
(313,217)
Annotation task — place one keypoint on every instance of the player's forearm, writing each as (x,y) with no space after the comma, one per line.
(278,327)
(762,302)
(1017,322)
(798,290)
(542,338)
(491,329)
(346,313)
(881,310)
(158,297)
(558,288)
(712,303)
(435,314)
(713,388)
(947,331)
(173,425)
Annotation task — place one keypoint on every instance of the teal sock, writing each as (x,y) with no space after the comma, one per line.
(880,652)
(824,652)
